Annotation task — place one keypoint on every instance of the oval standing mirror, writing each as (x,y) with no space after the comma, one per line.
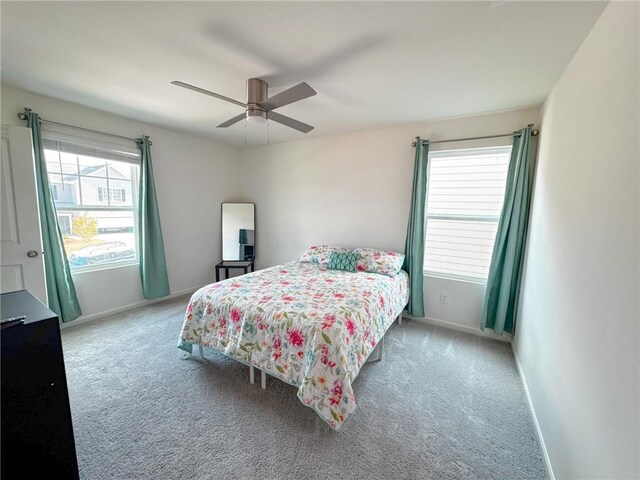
(238,231)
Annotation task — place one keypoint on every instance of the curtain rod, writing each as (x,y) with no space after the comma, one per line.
(514,134)
(25,114)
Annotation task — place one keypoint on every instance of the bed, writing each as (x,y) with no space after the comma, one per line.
(309,326)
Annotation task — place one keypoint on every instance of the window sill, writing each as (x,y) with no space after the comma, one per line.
(476,281)
(111,266)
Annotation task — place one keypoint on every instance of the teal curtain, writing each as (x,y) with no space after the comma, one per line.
(414,244)
(503,285)
(61,292)
(153,265)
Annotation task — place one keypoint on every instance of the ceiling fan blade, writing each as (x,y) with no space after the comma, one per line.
(293,94)
(207,92)
(289,122)
(233,120)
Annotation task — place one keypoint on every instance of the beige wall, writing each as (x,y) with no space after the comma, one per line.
(577,338)
(354,190)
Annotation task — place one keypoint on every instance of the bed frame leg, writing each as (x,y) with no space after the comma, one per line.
(380,350)
(263,380)
(201,351)
(400,319)
(252,374)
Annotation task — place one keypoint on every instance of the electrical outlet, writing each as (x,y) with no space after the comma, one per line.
(444,297)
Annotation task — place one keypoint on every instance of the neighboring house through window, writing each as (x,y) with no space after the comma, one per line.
(464,200)
(94,189)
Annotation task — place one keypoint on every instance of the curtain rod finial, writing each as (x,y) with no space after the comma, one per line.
(413,144)
(24,115)
(534,133)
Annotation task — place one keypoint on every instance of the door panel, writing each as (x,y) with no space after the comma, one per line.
(12,278)
(19,219)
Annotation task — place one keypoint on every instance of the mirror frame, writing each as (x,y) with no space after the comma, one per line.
(222,229)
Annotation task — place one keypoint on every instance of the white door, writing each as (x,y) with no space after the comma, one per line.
(21,262)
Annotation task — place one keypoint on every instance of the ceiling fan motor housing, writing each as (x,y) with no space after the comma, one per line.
(257,91)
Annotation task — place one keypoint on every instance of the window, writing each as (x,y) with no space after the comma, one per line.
(64,221)
(464,201)
(94,190)
(116,195)
(102,194)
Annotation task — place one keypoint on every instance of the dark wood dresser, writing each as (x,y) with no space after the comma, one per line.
(37,434)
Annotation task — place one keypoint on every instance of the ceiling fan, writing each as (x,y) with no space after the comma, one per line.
(260,106)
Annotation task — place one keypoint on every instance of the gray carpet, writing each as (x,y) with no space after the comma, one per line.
(441,405)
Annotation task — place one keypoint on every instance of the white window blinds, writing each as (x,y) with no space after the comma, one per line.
(464,200)
(107,152)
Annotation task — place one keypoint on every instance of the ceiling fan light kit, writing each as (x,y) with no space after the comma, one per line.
(259,107)
(257,91)
(256,117)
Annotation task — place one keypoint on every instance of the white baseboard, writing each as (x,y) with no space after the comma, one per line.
(462,328)
(96,316)
(543,446)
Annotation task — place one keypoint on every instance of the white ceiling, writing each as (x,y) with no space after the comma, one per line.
(372,64)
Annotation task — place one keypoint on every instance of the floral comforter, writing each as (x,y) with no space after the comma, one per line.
(308,326)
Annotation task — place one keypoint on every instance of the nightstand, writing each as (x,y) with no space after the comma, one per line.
(245,265)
